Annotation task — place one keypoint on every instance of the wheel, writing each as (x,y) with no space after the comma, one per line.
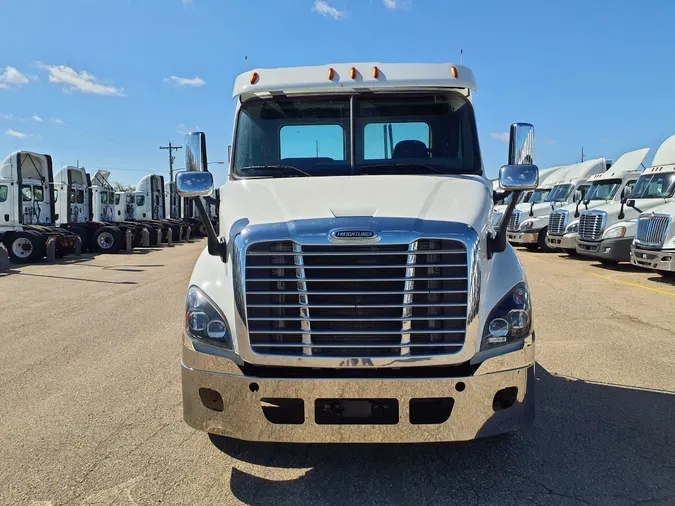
(108,239)
(571,252)
(201,230)
(26,246)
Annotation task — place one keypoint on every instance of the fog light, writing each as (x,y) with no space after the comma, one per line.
(607,250)
(499,329)
(216,329)
(667,259)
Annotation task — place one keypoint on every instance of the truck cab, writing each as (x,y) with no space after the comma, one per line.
(532,224)
(356,289)
(607,232)
(654,244)
(606,187)
(102,197)
(27,207)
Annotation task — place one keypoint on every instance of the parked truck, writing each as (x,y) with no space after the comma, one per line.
(529,222)
(149,207)
(654,244)
(362,294)
(27,208)
(606,187)
(607,232)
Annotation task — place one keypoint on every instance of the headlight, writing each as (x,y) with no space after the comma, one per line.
(613,233)
(572,228)
(204,321)
(510,320)
(527,225)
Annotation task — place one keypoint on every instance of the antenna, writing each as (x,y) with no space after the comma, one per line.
(582,153)
(461,57)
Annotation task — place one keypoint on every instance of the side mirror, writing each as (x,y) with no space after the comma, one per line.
(518,177)
(195,152)
(626,191)
(194,184)
(521,144)
(577,196)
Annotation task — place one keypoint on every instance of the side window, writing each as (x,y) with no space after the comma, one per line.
(383,141)
(26,193)
(3,192)
(80,196)
(55,195)
(312,141)
(628,189)
(584,190)
(140,200)
(117,200)
(73,195)
(38,193)
(104,197)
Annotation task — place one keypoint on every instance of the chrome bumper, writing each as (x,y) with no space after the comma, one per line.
(522,237)
(650,259)
(568,241)
(219,399)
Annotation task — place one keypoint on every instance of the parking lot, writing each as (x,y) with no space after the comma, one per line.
(90,404)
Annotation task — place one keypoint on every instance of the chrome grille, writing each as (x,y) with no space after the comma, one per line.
(557,222)
(514,221)
(652,229)
(591,226)
(357,300)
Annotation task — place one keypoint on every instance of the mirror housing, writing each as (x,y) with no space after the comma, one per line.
(197,182)
(520,174)
(192,185)
(577,196)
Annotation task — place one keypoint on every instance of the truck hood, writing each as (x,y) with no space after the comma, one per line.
(462,198)
(538,210)
(630,214)
(571,208)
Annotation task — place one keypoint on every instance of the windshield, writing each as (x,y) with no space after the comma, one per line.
(539,196)
(393,133)
(603,190)
(654,186)
(559,193)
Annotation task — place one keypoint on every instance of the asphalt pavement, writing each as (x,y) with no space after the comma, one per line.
(90,401)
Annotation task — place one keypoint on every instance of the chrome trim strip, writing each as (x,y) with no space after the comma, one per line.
(408,288)
(303,300)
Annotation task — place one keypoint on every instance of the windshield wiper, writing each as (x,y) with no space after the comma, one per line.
(430,168)
(280,168)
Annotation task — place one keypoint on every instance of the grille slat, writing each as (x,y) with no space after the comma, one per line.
(591,226)
(370,300)
(557,222)
(652,229)
(514,221)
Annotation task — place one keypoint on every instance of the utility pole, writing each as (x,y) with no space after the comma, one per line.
(582,153)
(171,158)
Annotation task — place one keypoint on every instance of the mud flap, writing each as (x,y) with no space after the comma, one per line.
(4,258)
(78,246)
(128,240)
(50,245)
(145,237)
(169,237)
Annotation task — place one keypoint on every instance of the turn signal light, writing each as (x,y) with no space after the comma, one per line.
(331,74)
(453,71)
(352,72)
(254,77)
(376,72)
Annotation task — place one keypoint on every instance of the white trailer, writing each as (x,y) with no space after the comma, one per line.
(607,232)
(359,293)
(606,187)
(528,228)
(27,208)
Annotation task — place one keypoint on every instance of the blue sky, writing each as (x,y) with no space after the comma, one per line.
(91,80)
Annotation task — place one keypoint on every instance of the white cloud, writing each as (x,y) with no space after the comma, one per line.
(549,140)
(181,130)
(58,121)
(501,136)
(37,118)
(397,4)
(84,82)
(325,9)
(16,134)
(389,4)
(12,76)
(195,82)
(5,116)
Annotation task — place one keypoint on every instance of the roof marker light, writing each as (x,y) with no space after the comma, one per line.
(352,72)
(331,73)
(376,72)
(453,71)
(254,77)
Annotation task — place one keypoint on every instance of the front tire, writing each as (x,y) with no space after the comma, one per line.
(608,262)
(541,242)
(26,246)
(571,252)
(108,239)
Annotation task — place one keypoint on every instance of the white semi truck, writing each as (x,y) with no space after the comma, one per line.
(353,292)
(149,208)
(607,232)
(606,187)
(27,208)
(654,243)
(529,222)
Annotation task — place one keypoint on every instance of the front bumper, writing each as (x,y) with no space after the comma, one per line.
(476,410)
(568,241)
(523,237)
(616,250)
(650,259)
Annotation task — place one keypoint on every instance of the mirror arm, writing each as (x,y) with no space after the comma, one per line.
(215,246)
(497,244)
(531,209)
(576,211)
(621,213)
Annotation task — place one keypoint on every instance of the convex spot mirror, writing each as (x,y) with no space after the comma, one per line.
(194,184)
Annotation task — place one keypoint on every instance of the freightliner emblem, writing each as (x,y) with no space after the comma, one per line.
(355,235)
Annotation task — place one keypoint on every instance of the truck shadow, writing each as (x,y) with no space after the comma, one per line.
(78,279)
(590,444)
(620,267)
(663,280)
